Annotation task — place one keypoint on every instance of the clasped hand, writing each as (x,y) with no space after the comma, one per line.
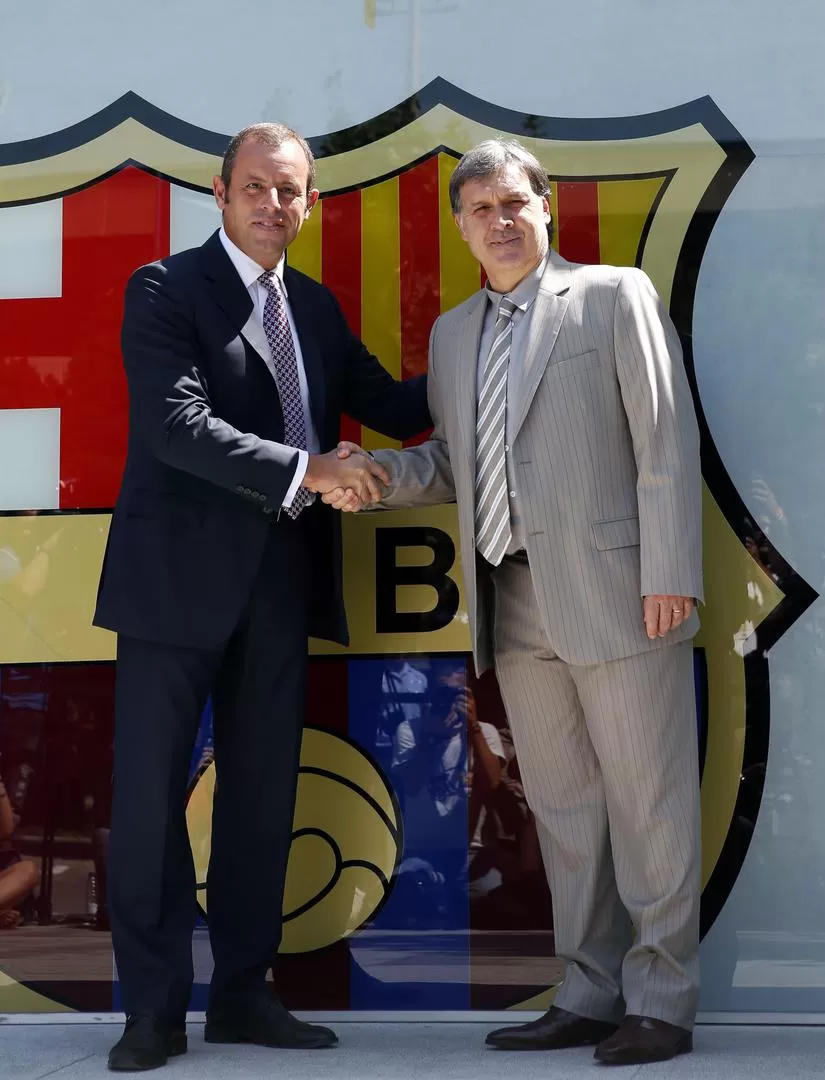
(347,478)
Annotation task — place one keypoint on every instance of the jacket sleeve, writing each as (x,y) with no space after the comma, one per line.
(373,397)
(665,435)
(421,475)
(169,406)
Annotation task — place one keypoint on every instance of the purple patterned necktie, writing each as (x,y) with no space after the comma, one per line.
(279,337)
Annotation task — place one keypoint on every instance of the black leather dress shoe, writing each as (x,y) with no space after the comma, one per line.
(556,1030)
(641,1040)
(263,1020)
(148,1041)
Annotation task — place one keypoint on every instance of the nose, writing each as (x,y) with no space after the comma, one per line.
(271,200)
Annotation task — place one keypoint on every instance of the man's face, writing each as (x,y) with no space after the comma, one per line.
(266,201)
(505,223)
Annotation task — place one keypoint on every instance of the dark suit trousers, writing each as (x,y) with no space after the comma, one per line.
(257,681)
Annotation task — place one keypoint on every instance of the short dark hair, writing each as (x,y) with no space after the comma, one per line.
(489,157)
(273,135)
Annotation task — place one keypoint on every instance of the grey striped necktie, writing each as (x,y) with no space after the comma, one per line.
(493,532)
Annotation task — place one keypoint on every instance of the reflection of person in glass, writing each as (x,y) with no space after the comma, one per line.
(445,762)
(18,877)
(403,690)
(445,747)
(565,431)
(220,564)
(508,887)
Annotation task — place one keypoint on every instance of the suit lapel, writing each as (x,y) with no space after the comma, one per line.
(228,290)
(253,332)
(232,296)
(469,339)
(545,323)
(302,316)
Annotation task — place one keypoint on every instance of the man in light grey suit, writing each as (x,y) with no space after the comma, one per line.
(565,431)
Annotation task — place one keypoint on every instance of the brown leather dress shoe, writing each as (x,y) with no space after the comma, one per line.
(556,1030)
(641,1040)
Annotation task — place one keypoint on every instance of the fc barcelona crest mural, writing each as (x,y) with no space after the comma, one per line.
(403,891)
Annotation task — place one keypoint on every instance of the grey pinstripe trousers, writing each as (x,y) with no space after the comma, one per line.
(609,761)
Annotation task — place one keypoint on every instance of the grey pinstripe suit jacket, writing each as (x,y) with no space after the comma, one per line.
(606,449)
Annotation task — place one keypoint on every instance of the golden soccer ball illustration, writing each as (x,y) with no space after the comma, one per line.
(346,842)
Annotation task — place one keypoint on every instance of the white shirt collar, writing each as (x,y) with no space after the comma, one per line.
(248,270)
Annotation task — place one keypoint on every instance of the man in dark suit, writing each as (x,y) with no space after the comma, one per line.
(220,563)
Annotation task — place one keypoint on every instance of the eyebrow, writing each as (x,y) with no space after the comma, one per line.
(262,180)
(512,193)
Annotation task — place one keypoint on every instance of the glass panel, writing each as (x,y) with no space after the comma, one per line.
(436,898)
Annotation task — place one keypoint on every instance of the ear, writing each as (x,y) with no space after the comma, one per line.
(312,199)
(545,205)
(457,220)
(219,189)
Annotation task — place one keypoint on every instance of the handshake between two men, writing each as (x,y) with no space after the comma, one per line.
(346,478)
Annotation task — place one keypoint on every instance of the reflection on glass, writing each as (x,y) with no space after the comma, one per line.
(468,922)
(56,728)
(18,876)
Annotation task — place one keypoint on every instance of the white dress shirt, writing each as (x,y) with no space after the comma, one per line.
(249,272)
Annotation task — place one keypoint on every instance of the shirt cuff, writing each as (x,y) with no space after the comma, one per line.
(297,480)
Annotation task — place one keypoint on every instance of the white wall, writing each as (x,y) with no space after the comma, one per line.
(319,66)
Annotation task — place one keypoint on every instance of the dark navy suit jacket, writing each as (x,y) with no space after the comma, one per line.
(204,478)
